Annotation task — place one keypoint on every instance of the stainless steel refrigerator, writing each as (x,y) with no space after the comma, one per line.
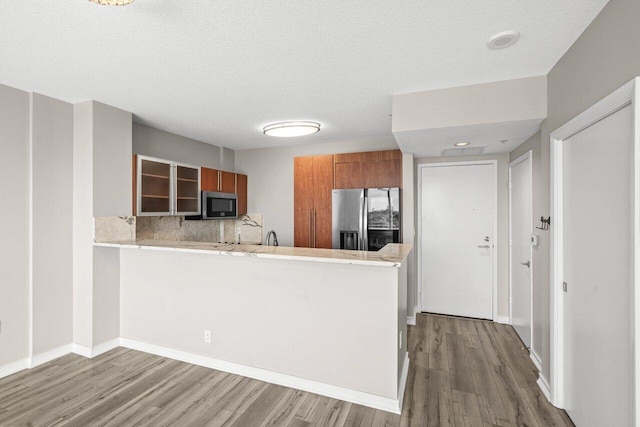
(365,219)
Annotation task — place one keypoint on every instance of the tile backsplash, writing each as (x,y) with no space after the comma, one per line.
(246,229)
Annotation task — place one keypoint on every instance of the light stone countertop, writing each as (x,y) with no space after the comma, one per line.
(392,255)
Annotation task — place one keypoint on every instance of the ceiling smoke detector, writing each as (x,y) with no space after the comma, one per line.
(503,40)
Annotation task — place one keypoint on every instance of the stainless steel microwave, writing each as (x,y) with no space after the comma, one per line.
(219,205)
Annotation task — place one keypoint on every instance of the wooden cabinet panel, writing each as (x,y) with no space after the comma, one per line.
(386,173)
(209,179)
(368,170)
(241,189)
(368,156)
(303,201)
(350,175)
(322,189)
(227,182)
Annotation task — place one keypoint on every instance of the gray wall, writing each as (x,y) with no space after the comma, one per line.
(503,221)
(270,172)
(604,58)
(154,142)
(14,224)
(52,245)
(112,141)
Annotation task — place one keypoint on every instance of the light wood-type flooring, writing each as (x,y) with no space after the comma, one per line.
(463,373)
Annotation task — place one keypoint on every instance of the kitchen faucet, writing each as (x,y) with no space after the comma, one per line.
(275,238)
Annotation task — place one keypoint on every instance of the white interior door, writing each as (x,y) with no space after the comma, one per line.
(597,271)
(457,248)
(520,247)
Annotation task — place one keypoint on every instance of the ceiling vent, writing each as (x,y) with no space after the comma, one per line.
(463,151)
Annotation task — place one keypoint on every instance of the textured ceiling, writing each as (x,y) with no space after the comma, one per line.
(217,71)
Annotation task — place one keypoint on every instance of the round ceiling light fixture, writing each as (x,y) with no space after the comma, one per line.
(112,2)
(461,144)
(503,40)
(291,129)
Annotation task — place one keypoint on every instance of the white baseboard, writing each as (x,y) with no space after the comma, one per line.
(544,387)
(82,350)
(502,319)
(104,347)
(13,367)
(411,316)
(50,355)
(336,392)
(403,381)
(536,359)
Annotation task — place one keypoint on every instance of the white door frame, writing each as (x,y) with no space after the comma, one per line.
(494,240)
(628,94)
(526,157)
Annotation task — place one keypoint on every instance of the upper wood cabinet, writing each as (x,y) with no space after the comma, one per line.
(374,169)
(163,187)
(313,182)
(226,182)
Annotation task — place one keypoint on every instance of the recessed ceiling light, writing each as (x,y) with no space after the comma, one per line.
(112,2)
(503,39)
(289,129)
(461,144)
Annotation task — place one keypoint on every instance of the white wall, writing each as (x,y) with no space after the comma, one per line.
(112,168)
(295,317)
(409,228)
(503,221)
(14,224)
(52,245)
(102,187)
(154,142)
(505,101)
(270,172)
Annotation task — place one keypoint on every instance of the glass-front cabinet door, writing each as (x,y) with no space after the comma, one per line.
(167,188)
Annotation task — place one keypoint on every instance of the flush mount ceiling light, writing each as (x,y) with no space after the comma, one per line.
(112,2)
(289,129)
(503,40)
(461,144)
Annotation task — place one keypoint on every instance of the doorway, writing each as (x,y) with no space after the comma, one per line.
(595,183)
(457,238)
(520,256)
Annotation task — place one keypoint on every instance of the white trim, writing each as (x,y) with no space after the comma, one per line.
(411,320)
(402,384)
(525,157)
(494,237)
(336,392)
(30,229)
(544,387)
(627,94)
(105,347)
(82,350)
(13,367)
(535,359)
(502,319)
(50,355)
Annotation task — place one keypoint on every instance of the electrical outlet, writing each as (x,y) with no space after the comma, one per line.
(155,236)
(400,343)
(207,336)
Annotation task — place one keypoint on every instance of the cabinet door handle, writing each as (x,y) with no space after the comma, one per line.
(310,226)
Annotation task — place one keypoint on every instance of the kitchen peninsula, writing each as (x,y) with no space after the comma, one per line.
(332,322)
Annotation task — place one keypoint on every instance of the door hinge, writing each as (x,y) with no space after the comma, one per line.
(564,286)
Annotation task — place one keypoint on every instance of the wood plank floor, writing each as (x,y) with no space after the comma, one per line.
(463,373)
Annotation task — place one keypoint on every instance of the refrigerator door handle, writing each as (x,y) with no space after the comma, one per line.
(365,222)
(360,223)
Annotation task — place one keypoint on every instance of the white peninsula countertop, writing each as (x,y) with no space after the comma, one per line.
(392,255)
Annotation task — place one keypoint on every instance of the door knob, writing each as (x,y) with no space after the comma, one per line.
(528,264)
